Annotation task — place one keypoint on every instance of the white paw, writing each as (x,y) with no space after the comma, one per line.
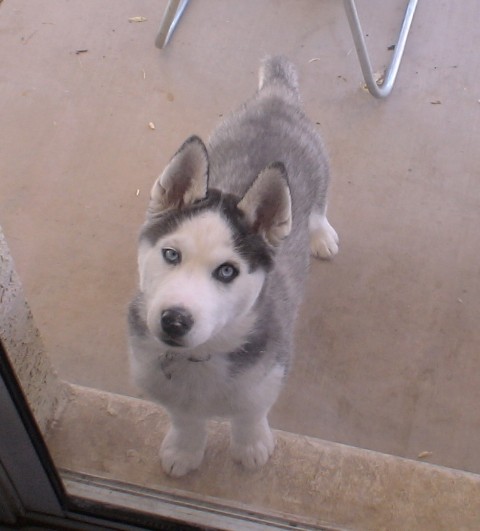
(323,237)
(254,454)
(178,463)
(178,460)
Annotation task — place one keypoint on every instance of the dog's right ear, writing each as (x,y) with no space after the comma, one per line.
(184,180)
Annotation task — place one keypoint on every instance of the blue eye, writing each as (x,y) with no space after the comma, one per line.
(171,256)
(225,273)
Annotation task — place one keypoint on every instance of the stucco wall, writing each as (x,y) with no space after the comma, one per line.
(45,393)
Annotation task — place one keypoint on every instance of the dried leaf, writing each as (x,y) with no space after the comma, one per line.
(423,455)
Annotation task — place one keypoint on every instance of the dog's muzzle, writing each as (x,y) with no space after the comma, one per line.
(175,323)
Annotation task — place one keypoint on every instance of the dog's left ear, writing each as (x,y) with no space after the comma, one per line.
(267,204)
(184,180)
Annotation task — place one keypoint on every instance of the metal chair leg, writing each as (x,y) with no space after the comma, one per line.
(175,9)
(381,89)
(173,12)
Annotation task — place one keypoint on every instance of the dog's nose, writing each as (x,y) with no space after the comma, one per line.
(176,321)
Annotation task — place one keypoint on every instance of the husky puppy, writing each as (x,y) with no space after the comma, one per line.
(223,257)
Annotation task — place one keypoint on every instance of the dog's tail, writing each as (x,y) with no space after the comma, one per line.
(279,71)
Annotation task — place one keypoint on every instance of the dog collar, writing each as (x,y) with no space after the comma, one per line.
(170,359)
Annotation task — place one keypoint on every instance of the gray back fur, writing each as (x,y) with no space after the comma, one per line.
(272,127)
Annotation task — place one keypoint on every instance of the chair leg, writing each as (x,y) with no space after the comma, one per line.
(171,16)
(381,89)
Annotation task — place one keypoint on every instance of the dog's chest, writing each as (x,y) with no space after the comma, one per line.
(203,387)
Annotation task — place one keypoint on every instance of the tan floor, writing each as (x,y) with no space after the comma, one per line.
(388,350)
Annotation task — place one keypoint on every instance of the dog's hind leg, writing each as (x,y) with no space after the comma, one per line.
(323,237)
(184,445)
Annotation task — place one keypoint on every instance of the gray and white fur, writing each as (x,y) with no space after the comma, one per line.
(223,258)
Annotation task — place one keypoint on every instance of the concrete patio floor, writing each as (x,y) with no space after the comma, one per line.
(388,342)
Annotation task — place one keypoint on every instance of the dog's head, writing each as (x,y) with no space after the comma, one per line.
(203,254)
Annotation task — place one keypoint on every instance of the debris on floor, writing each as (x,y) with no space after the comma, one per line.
(379,78)
(137,19)
(424,455)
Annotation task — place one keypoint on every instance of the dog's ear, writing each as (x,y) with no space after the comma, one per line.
(184,180)
(267,204)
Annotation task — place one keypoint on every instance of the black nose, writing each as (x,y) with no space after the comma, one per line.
(176,321)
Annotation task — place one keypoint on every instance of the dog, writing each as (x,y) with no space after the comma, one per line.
(223,256)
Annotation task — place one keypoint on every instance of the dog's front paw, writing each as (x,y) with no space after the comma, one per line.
(323,237)
(179,459)
(253,454)
(178,463)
